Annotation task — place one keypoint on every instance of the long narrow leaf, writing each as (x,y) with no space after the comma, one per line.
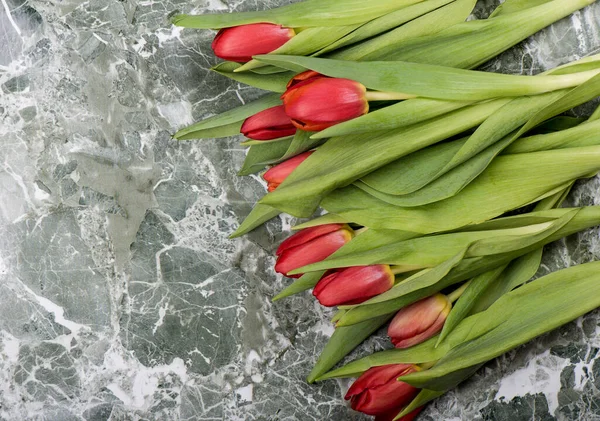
(276,82)
(342,160)
(306,13)
(470,44)
(262,153)
(516,180)
(428,24)
(259,215)
(469,268)
(433,81)
(399,115)
(385,23)
(342,342)
(305,282)
(232,120)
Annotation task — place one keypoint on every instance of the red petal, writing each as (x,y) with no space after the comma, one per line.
(324,102)
(380,400)
(301,77)
(378,376)
(354,285)
(312,251)
(307,235)
(280,172)
(240,43)
(419,321)
(271,123)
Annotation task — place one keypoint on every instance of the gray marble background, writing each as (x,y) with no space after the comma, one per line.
(121,297)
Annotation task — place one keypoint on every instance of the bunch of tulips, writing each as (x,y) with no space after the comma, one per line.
(376,117)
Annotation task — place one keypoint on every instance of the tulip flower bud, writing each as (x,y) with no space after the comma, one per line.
(353,285)
(277,174)
(320,102)
(311,245)
(377,391)
(240,43)
(271,123)
(301,77)
(419,321)
(389,416)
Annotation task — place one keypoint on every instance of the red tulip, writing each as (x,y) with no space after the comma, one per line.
(320,102)
(419,321)
(389,416)
(311,245)
(271,123)
(377,391)
(277,174)
(301,77)
(240,43)
(353,285)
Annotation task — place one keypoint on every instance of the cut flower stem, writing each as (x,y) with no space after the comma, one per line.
(387,96)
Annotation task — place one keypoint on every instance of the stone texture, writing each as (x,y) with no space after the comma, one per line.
(121,296)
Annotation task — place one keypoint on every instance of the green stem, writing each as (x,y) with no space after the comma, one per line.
(455,295)
(397,270)
(387,96)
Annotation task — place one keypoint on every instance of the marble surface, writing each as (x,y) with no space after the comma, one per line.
(121,297)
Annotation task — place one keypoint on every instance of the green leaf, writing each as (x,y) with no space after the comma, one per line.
(513,6)
(259,215)
(260,155)
(342,342)
(342,160)
(473,153)
(525,237)
(328,218)
(419,354)
(511,117)
(305,282)
(516,318)
(427,24)
(269,70)
(229,122)
(274,82)
(425,396)
(300,143)
(578,136)
(516,180)
(471,267)
(472,158)
(252,142)
(442,186)
(518,272)
(306,42)
(385,23)
(414,171)
(402,114)
(432,81)
(306,13)
(461,309)
(471,44)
